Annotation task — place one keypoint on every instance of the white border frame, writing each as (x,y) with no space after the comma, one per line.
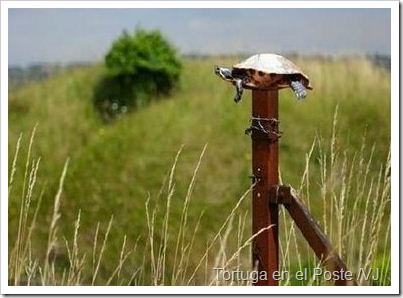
(395,158)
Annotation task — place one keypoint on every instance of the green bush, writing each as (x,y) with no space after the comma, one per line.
(140,67)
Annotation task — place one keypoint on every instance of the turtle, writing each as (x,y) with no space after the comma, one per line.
(265,72)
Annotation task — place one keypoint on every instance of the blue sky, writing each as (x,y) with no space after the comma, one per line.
(61,35)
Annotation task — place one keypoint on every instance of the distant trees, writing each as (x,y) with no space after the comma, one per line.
(140,67)
(18,75)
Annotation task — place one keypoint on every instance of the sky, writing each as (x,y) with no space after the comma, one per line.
(65,35)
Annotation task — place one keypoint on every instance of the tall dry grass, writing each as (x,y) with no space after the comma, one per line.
(355,215)
(355,210)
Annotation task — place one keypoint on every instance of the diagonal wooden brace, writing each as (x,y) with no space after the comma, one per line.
(286,195)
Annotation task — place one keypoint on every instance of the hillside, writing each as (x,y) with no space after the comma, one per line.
(114,168)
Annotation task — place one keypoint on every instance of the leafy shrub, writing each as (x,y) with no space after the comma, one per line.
(140,67)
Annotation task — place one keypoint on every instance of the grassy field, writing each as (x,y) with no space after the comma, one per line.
(160,196)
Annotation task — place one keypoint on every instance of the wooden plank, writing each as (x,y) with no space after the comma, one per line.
(312,232)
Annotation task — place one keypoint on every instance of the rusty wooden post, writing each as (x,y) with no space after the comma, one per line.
(265,172)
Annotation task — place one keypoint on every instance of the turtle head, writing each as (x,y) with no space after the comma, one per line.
(224,73)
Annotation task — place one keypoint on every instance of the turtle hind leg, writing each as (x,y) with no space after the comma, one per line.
(239,90)
(299,89)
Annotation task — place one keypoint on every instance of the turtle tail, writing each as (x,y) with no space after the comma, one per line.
(299,89)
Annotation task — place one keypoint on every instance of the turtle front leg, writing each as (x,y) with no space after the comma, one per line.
(239,90)
(299,89)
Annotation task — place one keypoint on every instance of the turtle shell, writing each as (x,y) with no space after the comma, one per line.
(269,71)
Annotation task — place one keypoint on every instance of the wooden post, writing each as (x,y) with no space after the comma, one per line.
(265,171)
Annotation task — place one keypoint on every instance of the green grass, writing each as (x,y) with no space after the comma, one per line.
(123,171)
